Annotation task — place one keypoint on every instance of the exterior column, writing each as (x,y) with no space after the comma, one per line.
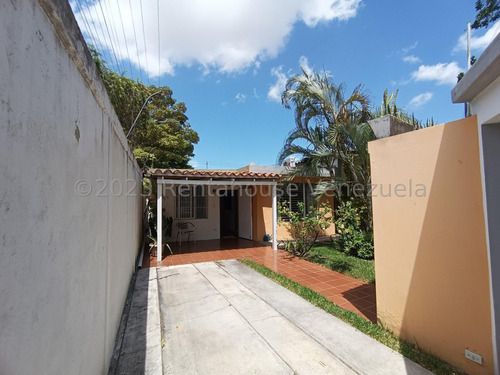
(275,219)
(159,219)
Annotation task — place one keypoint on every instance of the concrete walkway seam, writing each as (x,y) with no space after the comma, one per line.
(272,326)
(363,354)
(249,323)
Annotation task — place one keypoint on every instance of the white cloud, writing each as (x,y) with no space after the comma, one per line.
(478,43)
(304,64)
(314,11)
(420,100)
(409,48)
(255,95)
(227,36)
(240,98)
(400,82)
(256,67)
(441,73)
(278,87)
(412,59)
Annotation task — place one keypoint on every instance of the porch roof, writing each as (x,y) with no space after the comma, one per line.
(211,174)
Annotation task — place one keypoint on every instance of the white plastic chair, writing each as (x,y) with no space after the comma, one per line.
(185,228)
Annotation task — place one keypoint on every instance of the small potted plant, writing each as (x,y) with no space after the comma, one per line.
(153,246)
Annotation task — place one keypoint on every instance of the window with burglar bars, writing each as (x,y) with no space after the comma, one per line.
(295,193)
(191,202)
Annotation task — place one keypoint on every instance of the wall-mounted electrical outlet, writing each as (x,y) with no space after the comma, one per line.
(474,357)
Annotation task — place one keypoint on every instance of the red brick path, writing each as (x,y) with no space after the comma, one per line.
(344,291)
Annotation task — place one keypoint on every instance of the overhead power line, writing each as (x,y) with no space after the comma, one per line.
(124,35)
(135,38)
(109,35)
(159,45)
(101,23)
(145,50)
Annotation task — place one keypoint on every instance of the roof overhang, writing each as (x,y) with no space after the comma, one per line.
(212,177)
(484,71)
(234,183)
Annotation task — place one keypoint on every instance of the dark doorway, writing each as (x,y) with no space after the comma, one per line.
(228,213)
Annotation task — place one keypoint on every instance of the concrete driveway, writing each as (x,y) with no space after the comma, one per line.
(224,318)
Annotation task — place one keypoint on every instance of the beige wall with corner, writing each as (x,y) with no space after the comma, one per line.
(431,263)
(262,216)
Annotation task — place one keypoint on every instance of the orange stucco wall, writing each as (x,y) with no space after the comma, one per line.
(263,219)
(431,265)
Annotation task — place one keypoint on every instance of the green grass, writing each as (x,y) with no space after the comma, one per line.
(329,256)
(427,360)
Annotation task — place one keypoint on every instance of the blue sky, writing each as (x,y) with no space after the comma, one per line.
(228,59)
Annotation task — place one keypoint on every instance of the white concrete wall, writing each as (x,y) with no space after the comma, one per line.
(205,229)
(486,105)
(487,108)
(67,253)
(209,229)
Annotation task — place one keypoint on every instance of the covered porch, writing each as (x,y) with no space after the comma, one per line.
(208,251)
(216,204)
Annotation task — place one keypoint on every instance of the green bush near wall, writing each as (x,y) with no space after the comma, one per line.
(352,239)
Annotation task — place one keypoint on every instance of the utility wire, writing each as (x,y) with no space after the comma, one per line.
(135,38)
(124,36)
(109,34)
(114,32)
(102,32)
(159,45)
(87,25)
(145,50)
(102,38)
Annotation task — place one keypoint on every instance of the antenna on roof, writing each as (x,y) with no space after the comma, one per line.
(206,165)
(467,105)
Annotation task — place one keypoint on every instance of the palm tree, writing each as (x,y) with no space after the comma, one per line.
(325,122)
(389,107)
(330,130)
(316,97)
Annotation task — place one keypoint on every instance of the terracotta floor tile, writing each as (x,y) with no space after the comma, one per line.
(362,304)
(334,291)
(304,279)
(336,299)
(325,288)
(342,290)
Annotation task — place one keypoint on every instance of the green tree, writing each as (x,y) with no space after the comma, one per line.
(331,136)
(488,11)
(166,134)
(162,136)
(321,113)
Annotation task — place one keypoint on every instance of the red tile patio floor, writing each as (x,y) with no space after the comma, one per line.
(344,291)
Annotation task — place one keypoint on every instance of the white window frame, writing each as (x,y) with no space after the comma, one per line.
(305,199)
(191,198)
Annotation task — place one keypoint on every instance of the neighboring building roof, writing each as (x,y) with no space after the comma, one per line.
(276,169)
(484,71)
(388,126)
(211,173)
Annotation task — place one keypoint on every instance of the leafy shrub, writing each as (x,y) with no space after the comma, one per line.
(304,229)
(352,239)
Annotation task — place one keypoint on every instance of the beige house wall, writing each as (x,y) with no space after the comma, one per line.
(430,250)
(262,216)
